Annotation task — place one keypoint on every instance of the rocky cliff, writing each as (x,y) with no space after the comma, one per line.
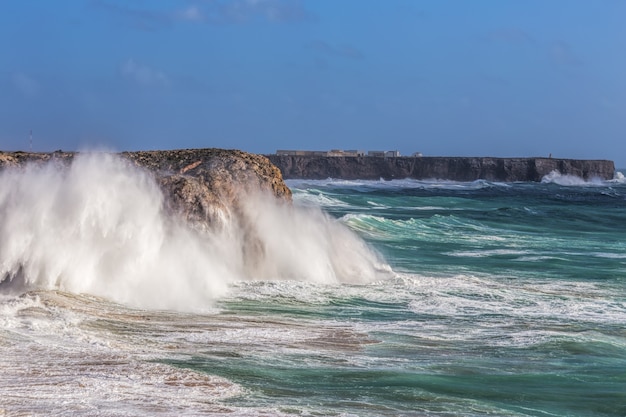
(200,184)
(449,168)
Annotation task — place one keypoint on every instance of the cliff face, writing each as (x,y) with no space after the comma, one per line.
(199,184)
(449,168)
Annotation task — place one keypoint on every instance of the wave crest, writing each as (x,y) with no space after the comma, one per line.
(555,177)
(100,226)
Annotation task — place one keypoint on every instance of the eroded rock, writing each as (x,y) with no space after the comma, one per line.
(204,186)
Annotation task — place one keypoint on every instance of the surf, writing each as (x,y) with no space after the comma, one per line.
(101,226)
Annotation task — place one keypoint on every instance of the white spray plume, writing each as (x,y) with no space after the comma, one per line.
(100,227)
(568,180)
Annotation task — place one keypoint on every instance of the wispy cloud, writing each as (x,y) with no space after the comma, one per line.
(142,74)
(345,51)
(214,12)
(144,19)
(191,14)
(562,54)
(280,11)
(26,85)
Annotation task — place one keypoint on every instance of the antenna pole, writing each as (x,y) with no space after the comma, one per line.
(31,140)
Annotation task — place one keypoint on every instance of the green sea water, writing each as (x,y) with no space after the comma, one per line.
(508,300)
(489,299)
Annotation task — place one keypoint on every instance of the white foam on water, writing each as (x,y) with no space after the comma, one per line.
(618,178)
(88,356)
(463,309)
(519,302)
(317,200)
(396,183)
(303,184)
(556,177)
(483,253)
(434,208)
(58,358)
(537,258)
(609,255)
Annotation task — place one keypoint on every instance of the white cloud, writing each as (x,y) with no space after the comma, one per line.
(208,11)
(191,14)
(143,74)
(26,85)
(141,18)
(241,11)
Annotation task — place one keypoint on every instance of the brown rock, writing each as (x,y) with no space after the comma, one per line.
(203,185)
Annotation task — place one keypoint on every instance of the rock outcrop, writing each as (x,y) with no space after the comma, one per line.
(448,168)
(203,184)
(199,184)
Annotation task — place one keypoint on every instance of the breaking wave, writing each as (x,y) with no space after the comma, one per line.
(556,177)
(100,227)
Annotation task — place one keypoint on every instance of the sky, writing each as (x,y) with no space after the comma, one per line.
(504,78)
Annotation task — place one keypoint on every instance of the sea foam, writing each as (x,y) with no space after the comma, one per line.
(569,180)
(100,227)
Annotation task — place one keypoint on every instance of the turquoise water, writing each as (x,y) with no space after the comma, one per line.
(487,299)
(509,299)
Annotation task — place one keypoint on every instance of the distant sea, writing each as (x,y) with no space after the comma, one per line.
(369,298)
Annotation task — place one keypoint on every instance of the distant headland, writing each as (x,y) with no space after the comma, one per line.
(388,165)
(371,165)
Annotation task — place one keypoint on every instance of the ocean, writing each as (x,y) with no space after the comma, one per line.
(370,298)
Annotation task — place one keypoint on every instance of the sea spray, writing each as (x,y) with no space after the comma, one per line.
(569,180)
(100,226)
(304,243)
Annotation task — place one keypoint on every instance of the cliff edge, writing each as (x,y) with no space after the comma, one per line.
(447,168)
(200,184)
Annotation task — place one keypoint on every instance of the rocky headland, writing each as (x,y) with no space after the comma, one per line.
(202,184)
(445,168)
(199,184)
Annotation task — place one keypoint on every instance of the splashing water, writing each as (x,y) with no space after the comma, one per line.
(100,227)
(563,179)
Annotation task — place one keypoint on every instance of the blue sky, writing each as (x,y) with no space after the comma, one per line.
(443,77)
